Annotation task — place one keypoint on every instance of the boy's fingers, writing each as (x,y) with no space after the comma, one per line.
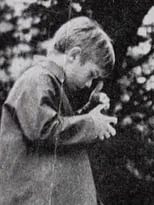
(113,120)
(111,130)
(101,137)
(103,98)
(99,107)
(106,106)
(107,135)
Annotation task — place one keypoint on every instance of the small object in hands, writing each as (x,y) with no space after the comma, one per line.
(96,97)
(102,98)
(97,89)
(92,99)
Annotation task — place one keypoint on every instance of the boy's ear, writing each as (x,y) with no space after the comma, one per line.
(74,53)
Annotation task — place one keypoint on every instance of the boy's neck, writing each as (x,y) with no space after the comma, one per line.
(58,58)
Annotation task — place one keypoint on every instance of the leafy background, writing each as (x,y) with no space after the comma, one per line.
(122,166)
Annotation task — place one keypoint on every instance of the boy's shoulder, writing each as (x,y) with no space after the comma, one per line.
(36,78)
(35,74)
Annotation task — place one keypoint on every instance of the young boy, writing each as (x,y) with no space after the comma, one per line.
(43,158)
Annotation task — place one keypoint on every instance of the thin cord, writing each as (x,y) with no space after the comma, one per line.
(55,148)
(58,116)
(70,10)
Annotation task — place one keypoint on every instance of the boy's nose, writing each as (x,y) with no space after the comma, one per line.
(88,84)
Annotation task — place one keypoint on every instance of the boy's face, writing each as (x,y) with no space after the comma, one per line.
(82,75)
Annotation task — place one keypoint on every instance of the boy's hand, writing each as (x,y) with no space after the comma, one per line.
(103,123)
(101,98)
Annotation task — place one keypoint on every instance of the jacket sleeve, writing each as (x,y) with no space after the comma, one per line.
(36,106)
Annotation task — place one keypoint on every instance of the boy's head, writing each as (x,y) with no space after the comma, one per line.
(87,34)
(88,49)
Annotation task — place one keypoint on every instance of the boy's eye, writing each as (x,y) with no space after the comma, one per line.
(91,75)
(94,74)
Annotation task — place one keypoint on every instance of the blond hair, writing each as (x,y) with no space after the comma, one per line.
(95,44)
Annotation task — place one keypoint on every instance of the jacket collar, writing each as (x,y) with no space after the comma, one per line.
(55,69)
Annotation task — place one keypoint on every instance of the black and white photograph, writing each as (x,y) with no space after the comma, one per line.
(76,102)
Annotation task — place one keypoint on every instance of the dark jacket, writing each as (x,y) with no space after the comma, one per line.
(43,158)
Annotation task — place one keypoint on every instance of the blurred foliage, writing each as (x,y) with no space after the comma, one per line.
(123,166)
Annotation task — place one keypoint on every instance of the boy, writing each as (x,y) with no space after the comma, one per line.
(43,142)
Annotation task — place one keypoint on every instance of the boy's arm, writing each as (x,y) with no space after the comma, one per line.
(36,108)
